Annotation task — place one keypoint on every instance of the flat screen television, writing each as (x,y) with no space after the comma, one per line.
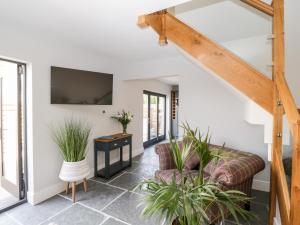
(70,86)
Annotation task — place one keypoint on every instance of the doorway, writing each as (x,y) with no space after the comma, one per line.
(12,133)
(154,118)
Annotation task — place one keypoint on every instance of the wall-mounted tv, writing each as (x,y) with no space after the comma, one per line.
(70,86)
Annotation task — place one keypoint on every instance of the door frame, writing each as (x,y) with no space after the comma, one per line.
(22,133)
(160,138)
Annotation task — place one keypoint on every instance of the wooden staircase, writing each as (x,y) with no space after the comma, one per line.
(272,95)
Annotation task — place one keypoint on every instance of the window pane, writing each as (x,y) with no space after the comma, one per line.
(145,117)
(161,115)
(153,117)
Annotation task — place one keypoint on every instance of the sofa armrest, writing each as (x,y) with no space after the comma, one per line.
(166,161)
(237,171)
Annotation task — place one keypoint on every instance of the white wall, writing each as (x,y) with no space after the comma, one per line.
(44,160)
(292,50)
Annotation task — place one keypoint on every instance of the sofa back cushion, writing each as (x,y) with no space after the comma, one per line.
(237,171)
(166,159)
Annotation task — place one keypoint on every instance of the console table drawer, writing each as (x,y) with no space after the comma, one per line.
(118,143)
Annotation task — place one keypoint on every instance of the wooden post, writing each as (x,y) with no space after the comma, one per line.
(73,191)
(277,117)
(67,187)
(295,191)
(84,185)
(162,36)
(276,151)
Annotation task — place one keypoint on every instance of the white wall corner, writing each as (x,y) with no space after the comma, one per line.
(261,185)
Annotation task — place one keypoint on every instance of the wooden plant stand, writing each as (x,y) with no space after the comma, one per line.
(85,187)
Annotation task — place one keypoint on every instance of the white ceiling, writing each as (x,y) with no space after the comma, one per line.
(109,26)
(171,80)
(224,20)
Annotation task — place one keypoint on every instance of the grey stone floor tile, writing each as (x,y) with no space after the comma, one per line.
(145,171)
(6,220)
(260,211)
(127,181)
(76,215)
(97,196)
(104,180)
(112,221)
(126,209)
(134,165)
(27,214)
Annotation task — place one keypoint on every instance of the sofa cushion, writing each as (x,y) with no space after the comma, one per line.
(166,159)
(238,170)
(224,156)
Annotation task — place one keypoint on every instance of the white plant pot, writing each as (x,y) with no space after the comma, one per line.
(74,171)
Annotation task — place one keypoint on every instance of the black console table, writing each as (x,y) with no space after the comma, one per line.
(107,144)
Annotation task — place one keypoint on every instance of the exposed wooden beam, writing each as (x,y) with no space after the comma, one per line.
(295,190)
(282,191)
(276,147)
(142,21)
(260,5)
(288,213)
(217,59)
(162,36)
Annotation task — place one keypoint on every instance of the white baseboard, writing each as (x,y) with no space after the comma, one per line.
(35,198)
(261,185)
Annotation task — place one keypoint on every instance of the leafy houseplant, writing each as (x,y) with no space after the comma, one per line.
(72,140)
(185,202)
(124,118)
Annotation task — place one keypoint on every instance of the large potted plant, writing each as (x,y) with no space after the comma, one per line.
(72,140)
(187,200)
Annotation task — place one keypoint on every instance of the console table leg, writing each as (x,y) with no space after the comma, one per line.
(130,153)
(121,154)
(95,163)
(107,164)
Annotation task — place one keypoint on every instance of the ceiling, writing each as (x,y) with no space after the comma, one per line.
(109,27)
(224,20)
(171,80)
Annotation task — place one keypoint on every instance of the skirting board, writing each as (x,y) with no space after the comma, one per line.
(261,185)
(40,196)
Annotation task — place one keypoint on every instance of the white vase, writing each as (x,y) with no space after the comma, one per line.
(74,171)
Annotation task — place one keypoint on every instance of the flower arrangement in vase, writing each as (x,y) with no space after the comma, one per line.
(124,118)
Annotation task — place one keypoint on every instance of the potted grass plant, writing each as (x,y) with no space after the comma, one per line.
(187,200)
(72,140)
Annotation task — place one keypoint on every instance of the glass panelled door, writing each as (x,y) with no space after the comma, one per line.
(154,118)
(11,131)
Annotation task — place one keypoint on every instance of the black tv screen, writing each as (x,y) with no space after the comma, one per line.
(70,86)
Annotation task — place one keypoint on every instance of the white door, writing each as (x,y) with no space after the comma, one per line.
(11,128)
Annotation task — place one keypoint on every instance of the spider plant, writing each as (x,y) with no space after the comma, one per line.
(186,202)
(72,139)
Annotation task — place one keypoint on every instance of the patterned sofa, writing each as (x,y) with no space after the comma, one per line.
(234,171)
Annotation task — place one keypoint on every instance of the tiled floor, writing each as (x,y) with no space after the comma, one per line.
(113,202)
